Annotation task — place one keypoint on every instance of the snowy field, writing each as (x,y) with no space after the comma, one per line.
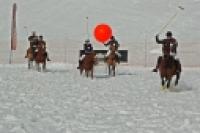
(62,101)
(134,22)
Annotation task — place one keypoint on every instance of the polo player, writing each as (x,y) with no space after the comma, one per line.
(168,51)
(43,44)
(33,39)
(88,49)
(113,42)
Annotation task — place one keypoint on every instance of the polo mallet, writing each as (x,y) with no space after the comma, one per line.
(170,20)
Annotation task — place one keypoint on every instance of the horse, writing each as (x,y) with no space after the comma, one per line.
(168,68)
(111,60)
(40,58)
(88,63)
(30,57)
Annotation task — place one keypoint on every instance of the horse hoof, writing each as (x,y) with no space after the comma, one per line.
(168,87)
(162,87)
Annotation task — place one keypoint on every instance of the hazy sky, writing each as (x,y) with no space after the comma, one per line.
(131,20)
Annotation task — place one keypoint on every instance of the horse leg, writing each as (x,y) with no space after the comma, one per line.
(87,73)
(29,64)
(162,82)
(109,70)
(177,78)
(113,68)
(168,83)
(38,67)
(44,66)
(81,71)
(92,73)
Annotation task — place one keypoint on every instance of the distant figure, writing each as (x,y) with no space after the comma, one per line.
(33,39)
(40,57)
(168,51)
(113,42)
(88,49)
(43,45)
(111,61)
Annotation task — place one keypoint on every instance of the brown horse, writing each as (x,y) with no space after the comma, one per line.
(88,64)
(111,60)
(168,68)
(30,57)
(40,58)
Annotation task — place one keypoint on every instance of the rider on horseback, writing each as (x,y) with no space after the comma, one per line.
(33,42)
(88,49)
(169,51)
(42,43)
(115,43)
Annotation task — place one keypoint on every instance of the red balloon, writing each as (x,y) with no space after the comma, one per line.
(102,32)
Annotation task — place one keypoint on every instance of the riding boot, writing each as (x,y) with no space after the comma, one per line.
(48,59)
(178,65)
(158,64)
(47,56)
(79,64)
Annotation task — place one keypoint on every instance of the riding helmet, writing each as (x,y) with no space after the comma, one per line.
(169,33)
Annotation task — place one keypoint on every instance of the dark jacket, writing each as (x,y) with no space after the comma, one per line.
(42,43)
(113,42)
(166,48)
(33,40)
(88,48)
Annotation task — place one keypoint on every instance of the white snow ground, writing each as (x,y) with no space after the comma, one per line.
(62,101)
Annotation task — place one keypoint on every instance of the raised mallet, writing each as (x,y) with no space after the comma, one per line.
(170,20)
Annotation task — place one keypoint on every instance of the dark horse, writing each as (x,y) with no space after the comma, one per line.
(111,60)
(40,58)
(168,68)
(88,64)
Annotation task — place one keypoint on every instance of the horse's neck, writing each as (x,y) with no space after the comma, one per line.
(88,56)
